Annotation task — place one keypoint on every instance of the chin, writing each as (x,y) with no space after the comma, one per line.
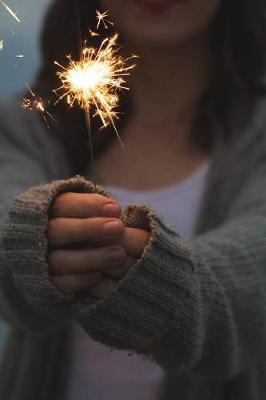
(161,22)
(147,37)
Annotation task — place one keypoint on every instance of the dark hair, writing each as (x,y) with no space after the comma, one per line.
(238,62)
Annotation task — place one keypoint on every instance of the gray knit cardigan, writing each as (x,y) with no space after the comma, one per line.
(197,308)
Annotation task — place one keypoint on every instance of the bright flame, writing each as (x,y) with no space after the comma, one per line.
(96,80)
(14,15)
(1,44)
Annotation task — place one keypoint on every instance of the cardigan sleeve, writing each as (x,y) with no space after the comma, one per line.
(28,156)
(195,307)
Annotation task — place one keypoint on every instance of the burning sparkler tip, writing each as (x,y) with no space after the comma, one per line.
(95,80)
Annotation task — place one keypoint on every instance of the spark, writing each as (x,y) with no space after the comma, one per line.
(14,15)
(1,44)
(93,34)
(102,18)
(20,56)
(95,81)
(36,104)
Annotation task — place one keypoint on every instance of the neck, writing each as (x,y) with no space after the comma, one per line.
(167,84)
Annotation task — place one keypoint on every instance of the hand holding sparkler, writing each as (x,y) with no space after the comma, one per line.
(93,82)
(104,248)
(90,221)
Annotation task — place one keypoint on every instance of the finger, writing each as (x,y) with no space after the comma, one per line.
(84,205)
(103,288)
(134,241)
(119,272)
(73,283)
(63,231)
(85,260)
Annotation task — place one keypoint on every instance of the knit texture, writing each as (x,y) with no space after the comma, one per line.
(26,246)
(197,308)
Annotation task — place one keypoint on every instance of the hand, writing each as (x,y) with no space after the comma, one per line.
(81,242)
(134,242)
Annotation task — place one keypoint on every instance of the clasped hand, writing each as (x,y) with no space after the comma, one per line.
(89,247)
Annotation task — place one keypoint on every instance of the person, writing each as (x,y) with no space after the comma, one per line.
(165,261)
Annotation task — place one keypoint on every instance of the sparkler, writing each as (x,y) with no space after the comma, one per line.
(1,44)
(14,15)
(36,104)
(95,81)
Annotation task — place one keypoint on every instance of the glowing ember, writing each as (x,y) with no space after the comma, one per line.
(36,104)
(102,18)
(14,15)
(96,80)
(93,34)
(20,56)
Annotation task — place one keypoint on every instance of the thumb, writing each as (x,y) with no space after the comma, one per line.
(134,241)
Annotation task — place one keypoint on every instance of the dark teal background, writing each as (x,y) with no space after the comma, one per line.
(24,40)
(14,72)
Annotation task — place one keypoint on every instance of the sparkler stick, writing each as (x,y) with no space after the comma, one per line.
(87,115)
(14,15)
(95,81)
(88,123)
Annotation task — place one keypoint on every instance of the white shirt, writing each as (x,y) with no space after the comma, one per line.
(98,373)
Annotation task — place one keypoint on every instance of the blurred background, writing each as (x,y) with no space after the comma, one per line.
(19,38)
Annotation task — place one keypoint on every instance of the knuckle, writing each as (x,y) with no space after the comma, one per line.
(99,198)
(73,282)
(95,201)
(66,284)
(51,232)
(54,261)
(58,201)
(115,255)
(86,204)
(122,255)
(86,229)
(92,228)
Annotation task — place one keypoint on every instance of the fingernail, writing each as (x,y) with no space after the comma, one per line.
(112,210)
(112,227)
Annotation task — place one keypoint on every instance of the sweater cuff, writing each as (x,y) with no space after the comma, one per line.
(139,313)
(25,244)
